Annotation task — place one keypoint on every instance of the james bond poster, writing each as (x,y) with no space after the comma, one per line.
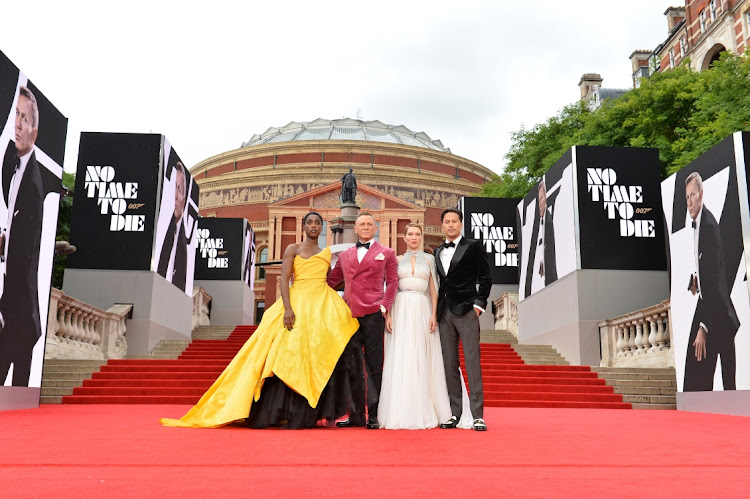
(546,217)
(708,269)
(248,267)
(619,208)
(177,225)
(114,210)
(219,249)
(493,222)
(32,141)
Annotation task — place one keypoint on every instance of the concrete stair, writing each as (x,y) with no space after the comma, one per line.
(644,388)
(540,355)
(61,376)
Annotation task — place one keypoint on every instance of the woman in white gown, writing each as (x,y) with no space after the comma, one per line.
(414,394)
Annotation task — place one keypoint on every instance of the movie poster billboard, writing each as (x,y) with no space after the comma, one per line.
(177,222)
(546,218)
(596,208)
(248,269)
(220,249)
(114,211)
(493,222)
(32,141)
(705,208)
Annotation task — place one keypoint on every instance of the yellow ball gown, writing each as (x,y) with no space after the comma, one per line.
(295,367)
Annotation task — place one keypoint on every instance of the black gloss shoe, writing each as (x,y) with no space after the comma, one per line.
(347,423)
(451,423)
(479,425)
(372,424)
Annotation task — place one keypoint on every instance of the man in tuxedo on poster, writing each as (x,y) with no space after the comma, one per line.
(369,272)
(175,247)
(541,269)
(461,264)
(715,322)
(20,325)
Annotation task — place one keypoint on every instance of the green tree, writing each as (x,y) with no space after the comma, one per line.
(680,112)
(63,229)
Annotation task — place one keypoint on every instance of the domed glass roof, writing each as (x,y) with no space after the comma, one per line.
(346,129)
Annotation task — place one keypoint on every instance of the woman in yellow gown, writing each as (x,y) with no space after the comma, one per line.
(299,369)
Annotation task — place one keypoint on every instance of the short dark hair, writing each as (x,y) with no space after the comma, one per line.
(310,214)
(364,214)
(452,210)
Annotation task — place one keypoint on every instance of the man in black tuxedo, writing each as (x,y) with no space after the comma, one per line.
(176,240)
(715,322)
(462,264)
(20,325)
(541,269)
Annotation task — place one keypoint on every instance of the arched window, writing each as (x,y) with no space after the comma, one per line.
(262,258)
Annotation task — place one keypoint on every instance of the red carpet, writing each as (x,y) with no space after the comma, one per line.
(508,381)
(122,451)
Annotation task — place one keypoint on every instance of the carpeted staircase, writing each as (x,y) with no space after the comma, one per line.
(510,380)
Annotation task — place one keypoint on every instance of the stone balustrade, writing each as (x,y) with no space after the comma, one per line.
(201,307)
(77,330)
(639,339)
(506,313)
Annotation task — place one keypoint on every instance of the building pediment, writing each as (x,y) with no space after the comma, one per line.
(328,197)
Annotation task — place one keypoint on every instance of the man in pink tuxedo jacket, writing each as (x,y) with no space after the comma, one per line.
(369,271)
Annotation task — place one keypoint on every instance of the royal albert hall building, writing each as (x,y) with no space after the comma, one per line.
(276,177)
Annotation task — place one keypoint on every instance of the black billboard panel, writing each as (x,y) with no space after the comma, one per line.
(705,209)
(177,225)
(220,249)
(619,208)
(493,222)
(32,141)
(115,205)
(546,220)
(601,209)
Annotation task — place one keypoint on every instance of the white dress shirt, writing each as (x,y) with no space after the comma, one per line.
(696,236)
(537,278)
(362,251)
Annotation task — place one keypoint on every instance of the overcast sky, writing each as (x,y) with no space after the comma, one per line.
(209,75)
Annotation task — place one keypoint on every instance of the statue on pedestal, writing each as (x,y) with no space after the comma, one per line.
(348,188)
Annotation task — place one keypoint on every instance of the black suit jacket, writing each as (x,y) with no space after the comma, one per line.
(458,288)
(179,269)
(715,308)
(550,260)
(20,301)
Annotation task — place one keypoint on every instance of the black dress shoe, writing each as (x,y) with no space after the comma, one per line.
(479,425)
(372,424)
(451,423)
(347,423)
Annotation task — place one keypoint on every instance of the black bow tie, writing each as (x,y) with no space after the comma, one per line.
(693,223)
(449,244)
(360,244)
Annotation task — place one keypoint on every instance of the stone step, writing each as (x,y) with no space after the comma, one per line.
(50,399)
(645,390)
(68,362)
(631,370)
(56,391)
(650,399)
(627,376)
(66,375)
(661,407)
(68,369)
(62,383)
(641,382)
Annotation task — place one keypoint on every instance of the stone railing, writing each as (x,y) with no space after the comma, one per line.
(77,330)
(506,313)
(639,339)
(201,301)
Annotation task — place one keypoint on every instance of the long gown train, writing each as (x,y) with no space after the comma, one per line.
(414,394)
(295,378)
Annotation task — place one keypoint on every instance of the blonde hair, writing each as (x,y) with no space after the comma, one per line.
(413,224)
